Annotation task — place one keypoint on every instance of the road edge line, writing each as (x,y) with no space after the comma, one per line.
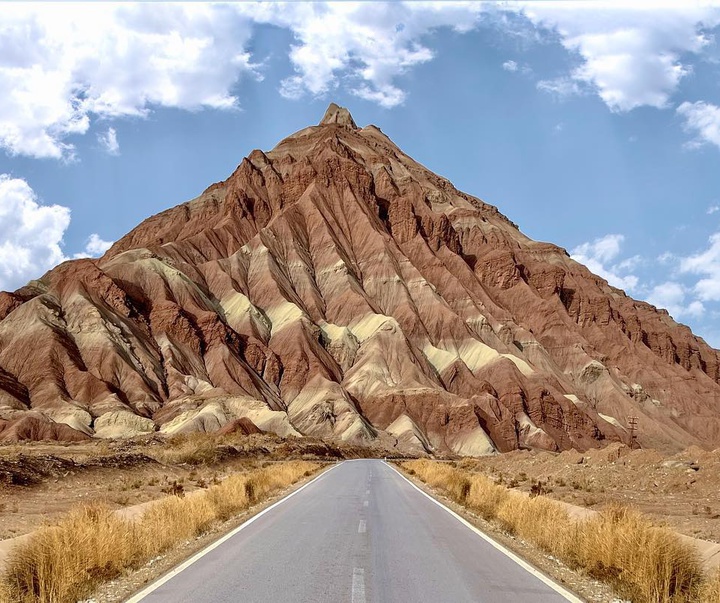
(517,559)
(213,545)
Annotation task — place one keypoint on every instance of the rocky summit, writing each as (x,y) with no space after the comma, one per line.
(334,287)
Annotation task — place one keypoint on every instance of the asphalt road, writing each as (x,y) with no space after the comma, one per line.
(359,534)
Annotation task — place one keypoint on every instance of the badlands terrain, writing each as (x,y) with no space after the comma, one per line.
(335,288)
(334,299)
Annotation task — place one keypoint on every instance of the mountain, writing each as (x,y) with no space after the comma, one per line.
(335,287)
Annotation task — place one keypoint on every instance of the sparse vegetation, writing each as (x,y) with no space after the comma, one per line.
(710,592)
(63,563)
(192,449)
(644,563)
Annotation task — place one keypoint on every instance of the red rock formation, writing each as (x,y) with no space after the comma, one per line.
(37,428)
(334,287)
(242,426)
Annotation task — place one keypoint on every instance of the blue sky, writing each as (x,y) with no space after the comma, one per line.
(594,125)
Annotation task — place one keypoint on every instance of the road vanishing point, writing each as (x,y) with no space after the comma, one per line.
(359,533)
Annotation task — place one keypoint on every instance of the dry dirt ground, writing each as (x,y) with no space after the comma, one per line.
(41,481)
(682,491)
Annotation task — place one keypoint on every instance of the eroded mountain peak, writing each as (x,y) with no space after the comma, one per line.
(335,114)
(336,288)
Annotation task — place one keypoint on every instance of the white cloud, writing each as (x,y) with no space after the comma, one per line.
(703,121)
(604,249)
(109,141)
(31,234)
(561,87)
(94,247)
(62,65)
(631,53)
(364,46)
(603,257)
(630,263)
(599,255)
(672,296)
(707,265)
(712,210)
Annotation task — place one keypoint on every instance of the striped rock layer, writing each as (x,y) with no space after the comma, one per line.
(334,287)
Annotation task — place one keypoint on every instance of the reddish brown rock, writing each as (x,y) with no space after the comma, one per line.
(334,287)
(242,426)
(37,429)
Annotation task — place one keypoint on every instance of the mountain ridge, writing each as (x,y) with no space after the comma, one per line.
(335,287)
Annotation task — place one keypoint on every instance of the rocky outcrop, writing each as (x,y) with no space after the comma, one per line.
(334,287)
(34,427)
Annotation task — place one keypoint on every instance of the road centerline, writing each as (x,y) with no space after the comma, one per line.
(358,585)
(311,539)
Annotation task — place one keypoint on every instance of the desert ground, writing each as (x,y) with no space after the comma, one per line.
(39,482)
(679,490)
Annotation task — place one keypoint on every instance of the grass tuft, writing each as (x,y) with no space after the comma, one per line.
(64,563)
(644,563)
(710,591)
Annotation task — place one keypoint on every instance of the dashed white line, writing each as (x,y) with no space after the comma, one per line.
(358,585)
(362,527)
(365,504)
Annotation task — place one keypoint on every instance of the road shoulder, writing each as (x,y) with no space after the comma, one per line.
(586,588)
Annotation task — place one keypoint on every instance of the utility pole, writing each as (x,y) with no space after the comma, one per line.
(632,426)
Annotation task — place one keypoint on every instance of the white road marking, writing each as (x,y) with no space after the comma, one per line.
(521,562)
(365,504)
(367,492)
(171,574)
(358,585)
(362,527)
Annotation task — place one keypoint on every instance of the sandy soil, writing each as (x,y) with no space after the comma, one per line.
(681,491)
(41,481)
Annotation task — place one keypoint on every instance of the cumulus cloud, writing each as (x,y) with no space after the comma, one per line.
(31,233)
(705,264)
(109,141)
(364,46)
(703,121)
(673,297)
(94,247)
(682,300)
(600,256)
(62,65)
(632,54)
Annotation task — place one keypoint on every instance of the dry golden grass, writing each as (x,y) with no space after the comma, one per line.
(710,591)
(645,563)
(190,449)
(64,563)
